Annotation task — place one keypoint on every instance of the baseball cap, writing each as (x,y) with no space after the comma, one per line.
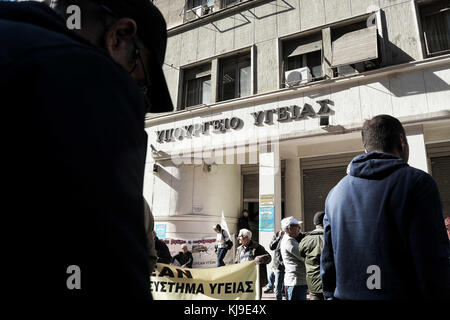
(286,222)
(152,30)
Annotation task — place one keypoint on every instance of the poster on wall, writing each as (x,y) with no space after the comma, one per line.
(203,251)
(267,218)
(160,230)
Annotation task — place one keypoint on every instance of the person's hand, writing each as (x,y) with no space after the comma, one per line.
(257,260)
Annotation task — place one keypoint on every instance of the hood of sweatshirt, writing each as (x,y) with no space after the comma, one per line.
(375,165)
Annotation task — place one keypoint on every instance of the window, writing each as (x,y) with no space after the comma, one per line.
(436,27)
(300,53)
(235,77)
(355,48)
(197,86)
(312,60)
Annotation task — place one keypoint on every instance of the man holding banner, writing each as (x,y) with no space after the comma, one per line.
(233,282)
(250,250)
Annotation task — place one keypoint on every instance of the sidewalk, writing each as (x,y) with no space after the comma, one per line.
(268,296)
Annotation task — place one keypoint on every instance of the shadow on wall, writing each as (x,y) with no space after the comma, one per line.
(285,8)
(410,86)
(394,54)
(241,19)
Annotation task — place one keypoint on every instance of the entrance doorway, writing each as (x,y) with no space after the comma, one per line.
(250,187)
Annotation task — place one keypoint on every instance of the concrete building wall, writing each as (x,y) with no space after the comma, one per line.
(400,94)
(263,23)
(190,189)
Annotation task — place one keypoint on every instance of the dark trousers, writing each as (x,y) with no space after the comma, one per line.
(279,283)
(271,279)
(221,252)
(296,292)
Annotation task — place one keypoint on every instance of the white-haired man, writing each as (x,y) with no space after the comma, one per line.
(184,257)
(294,263)
(250,250)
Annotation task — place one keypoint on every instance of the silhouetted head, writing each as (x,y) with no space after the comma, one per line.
(384,133)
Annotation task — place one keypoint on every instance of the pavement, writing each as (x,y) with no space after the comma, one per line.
(268,296)
(271,296)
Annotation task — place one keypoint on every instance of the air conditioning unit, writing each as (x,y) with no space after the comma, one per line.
(297,76)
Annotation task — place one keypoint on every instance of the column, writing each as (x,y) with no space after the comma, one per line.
(269,185)
(293,194)
(417,150)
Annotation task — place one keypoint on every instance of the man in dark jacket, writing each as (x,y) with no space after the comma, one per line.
(243,221)
(250,250)
(278,265)
(310,248)
(184,257)
(76,145)
(384,236)
(162,251)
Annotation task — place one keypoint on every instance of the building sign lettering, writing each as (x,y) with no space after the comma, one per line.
(221,125)
(293,112)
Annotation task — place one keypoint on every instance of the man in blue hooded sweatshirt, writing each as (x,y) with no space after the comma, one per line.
(384,236)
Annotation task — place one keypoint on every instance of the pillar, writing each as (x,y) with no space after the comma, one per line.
(269,195)
(417,150)
(293,194)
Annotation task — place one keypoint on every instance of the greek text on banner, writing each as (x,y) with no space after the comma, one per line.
(232,282)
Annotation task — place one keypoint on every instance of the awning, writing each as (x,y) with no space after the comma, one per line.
(355,46)
(305,48)
(303,45)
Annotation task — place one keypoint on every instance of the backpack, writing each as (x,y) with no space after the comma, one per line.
(228,242)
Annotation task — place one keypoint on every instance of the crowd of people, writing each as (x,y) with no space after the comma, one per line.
(381,236)
(296,268)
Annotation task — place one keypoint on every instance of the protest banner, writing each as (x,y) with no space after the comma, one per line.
(203,252)
(231,282)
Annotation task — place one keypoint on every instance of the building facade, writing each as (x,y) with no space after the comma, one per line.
(270,99)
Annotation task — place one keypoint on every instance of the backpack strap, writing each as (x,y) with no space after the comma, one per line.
(223,235)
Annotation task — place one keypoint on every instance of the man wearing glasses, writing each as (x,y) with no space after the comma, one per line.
(76,101)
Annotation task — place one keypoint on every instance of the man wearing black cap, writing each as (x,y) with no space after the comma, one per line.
(75,104)
(311,248)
